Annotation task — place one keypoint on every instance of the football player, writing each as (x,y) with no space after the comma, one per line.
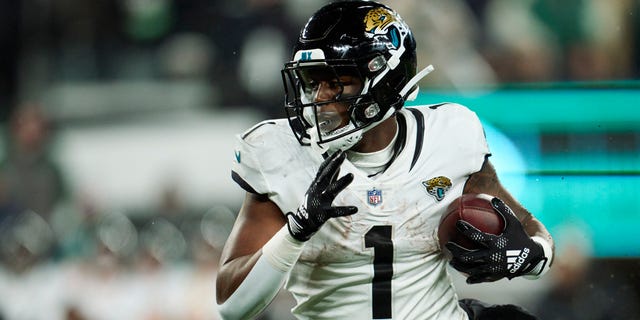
(344,197)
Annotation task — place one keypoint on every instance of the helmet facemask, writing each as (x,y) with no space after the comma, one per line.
(313,121)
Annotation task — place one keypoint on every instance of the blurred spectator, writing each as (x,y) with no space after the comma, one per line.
(593,35)
(547,40)
(31,187)
(579,289)
(449,42)
(30,179)
(517,44)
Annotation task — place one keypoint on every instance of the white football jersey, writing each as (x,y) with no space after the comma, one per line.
(384,261)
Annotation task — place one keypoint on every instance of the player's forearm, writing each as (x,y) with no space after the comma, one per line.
(248,284)
(254,293)
(534,227)
(232,273)
(531,225)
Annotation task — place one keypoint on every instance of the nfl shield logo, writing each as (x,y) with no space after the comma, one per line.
(375,197)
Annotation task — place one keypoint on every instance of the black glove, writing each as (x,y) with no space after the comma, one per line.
(511,254)
(316,208)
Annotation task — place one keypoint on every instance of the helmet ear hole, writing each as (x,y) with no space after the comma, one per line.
(366,113)
(377,63)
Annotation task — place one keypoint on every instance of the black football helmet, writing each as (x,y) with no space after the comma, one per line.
(357,38)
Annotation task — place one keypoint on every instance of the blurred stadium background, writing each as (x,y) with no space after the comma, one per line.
(118,121)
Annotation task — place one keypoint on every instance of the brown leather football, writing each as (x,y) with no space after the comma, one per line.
(475,209)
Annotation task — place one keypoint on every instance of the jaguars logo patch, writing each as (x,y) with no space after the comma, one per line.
(437,186)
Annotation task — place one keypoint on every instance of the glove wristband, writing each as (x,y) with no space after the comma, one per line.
(543,266)
(296,229)
(282,250)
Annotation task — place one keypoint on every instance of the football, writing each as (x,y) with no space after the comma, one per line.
(475,209)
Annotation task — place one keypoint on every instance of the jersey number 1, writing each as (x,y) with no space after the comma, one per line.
(379,238)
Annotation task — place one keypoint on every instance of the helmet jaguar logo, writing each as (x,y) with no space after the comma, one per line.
(437,186)
(387,27)
(378,18)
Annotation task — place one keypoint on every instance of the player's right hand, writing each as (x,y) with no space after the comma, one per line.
(317,207)
(510,254)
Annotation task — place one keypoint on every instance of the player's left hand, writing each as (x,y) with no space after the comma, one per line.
(510,254)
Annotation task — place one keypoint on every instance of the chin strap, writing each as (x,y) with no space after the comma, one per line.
(342,143)
(423,73)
